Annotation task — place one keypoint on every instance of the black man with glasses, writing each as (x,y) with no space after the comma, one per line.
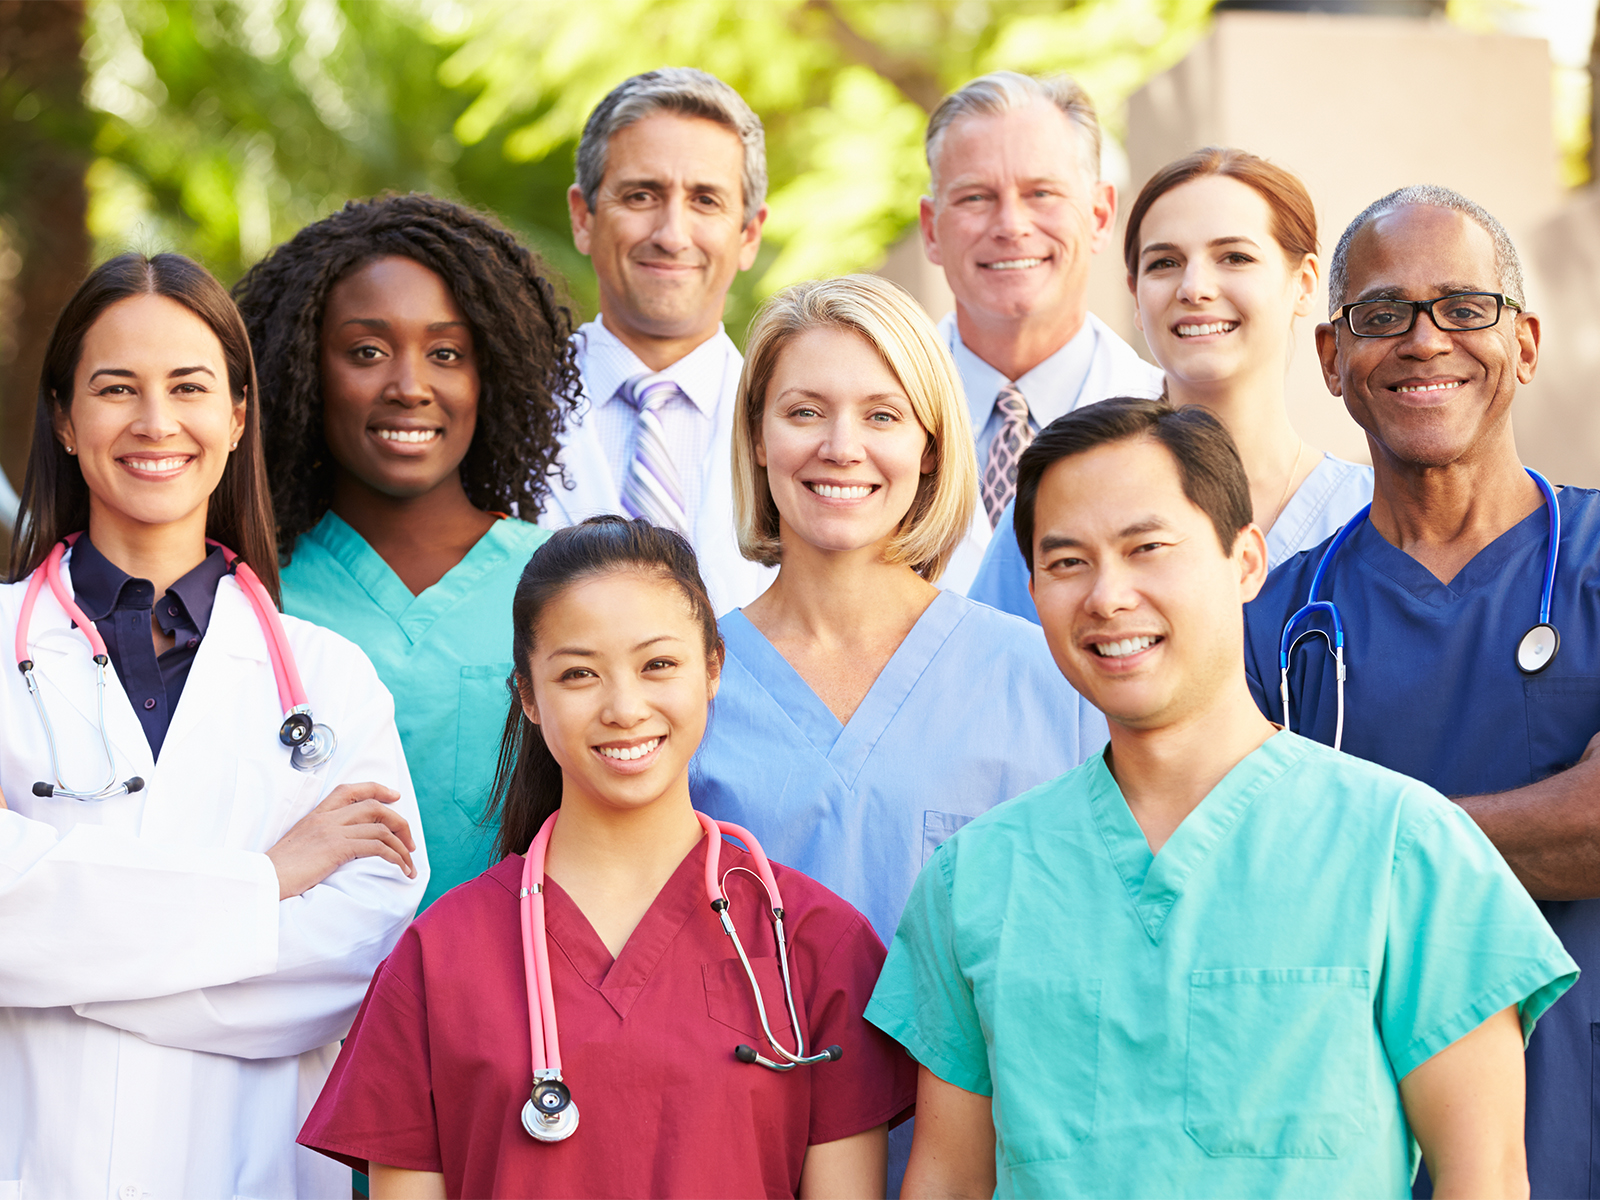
(1463,611)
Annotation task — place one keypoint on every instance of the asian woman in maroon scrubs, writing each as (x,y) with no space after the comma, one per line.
(617,660)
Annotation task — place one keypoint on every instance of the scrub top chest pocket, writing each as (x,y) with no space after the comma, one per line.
(1272,1071)
(485,701)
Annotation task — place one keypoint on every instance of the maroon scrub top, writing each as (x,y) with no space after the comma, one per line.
(437,1067)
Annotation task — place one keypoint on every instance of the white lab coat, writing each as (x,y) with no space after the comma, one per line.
(732,579)
(165,1021)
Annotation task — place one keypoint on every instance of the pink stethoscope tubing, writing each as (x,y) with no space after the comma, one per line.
(549,1114)
(311,744)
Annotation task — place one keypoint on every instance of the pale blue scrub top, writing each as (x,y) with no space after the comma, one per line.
(445,656)
(969,711)
(1433,690)
(1333,493)
(1229,1017)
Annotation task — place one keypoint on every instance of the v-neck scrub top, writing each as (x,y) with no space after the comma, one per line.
(1229,1017)
(445,655)
(1433,691)
(968,712)
(437,1067)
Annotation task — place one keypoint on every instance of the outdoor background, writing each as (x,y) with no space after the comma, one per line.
(219,128)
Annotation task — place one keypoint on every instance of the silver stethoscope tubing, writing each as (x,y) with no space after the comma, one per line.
(549,1115)
(1535,652)
(310,744)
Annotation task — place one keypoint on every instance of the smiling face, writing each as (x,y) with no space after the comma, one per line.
(1214,294)
(1428,398)
(1142,608)
(399,379)
(619,684)
(667,234)
(842,446)
(1015,215)
(151,418)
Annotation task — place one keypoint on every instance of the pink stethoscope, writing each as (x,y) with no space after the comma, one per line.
(310,745)
(549,1114)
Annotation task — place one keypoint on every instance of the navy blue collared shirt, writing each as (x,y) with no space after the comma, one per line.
(121,606)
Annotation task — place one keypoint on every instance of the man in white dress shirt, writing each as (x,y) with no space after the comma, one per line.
(668,205)
(1018,207)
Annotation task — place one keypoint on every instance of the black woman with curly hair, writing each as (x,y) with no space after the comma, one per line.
(416,367)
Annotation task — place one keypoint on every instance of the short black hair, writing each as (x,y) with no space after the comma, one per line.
(1208,462)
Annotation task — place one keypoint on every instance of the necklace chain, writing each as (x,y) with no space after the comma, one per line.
(1288,483)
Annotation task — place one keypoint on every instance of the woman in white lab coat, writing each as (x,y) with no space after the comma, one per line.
(180,954)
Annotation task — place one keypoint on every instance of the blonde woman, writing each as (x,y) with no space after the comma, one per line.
(864,715)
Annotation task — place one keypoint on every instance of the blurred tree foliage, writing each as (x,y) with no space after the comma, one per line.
(225,126)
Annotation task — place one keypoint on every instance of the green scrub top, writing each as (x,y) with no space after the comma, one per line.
(1231,1016)
(445,656)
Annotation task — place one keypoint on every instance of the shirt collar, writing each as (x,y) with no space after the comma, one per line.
(608,364)
(1051,388)
(100,586)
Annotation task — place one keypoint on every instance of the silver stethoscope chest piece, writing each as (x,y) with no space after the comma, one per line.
(1537,649)
(550,1115)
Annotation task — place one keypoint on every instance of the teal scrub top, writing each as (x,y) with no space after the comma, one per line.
(1230,1017)
(444,655)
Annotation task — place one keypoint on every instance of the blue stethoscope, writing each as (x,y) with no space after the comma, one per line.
(1535,652)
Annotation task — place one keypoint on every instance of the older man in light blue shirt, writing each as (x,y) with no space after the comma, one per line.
(1018,209)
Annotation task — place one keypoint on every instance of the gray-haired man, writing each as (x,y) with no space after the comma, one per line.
(1017,210)
(668,205)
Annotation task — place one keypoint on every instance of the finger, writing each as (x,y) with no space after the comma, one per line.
(370,834)
(355,793)
(377,848)
(377,812)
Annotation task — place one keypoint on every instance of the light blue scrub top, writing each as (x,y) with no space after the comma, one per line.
(1229,1017)
(445,656)
(969,711)
(1333,493)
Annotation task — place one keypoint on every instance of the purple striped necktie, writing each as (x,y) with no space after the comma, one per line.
(1010,440)
(652,489)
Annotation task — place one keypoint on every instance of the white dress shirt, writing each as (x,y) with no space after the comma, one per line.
(598,446)
(1095,365)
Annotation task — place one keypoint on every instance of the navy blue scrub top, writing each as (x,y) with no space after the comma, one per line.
(121,605)
(1433,691)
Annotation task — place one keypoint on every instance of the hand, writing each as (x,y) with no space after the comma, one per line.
(1589,750)
(355,821)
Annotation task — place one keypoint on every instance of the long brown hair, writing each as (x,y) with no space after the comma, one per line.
(1294,217)
(527,778)
(55,498)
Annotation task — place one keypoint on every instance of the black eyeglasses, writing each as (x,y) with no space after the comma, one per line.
(1456,313)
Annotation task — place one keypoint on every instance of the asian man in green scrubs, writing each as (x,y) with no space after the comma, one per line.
(1217,959)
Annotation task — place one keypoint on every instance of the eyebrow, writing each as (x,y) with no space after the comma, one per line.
(1235,240)
(961,184)
(811,395)
(380,323)
(175,373)
(1392,292)
(1060,541)
(657,185)
(581,652)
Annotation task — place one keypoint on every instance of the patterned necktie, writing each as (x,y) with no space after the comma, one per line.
(1010,440)
(652,489)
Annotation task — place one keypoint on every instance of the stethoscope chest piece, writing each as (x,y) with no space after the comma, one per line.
(1537,649)
(550,1115)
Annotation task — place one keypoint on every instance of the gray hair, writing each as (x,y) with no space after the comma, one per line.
(1006,91)
(689,93)
(1507,266)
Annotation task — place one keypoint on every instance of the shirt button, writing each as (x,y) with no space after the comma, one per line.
(172,610)
(148,704)
(130,1191)
(192,643)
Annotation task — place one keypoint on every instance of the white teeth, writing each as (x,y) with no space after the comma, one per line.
(1203,330)
(1125,647)
(832,492)
(408,435)
(1013,264)
(1430,387)
(155,464)
(629,753)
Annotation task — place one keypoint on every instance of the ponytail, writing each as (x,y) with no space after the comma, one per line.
(527,778)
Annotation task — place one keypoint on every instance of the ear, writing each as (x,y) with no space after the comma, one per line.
(578,210)
(1305,284)
(61,425)
(525,695)
(750,239)
(1528,332)
(930,237)
(1327,335)
(1103,208)
(714,671)
(236,426)
(930,457)
(1250,552)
